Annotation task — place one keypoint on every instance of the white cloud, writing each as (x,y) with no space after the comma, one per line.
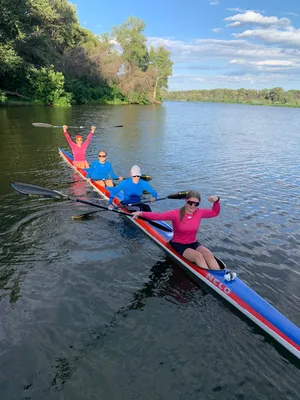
(234,24)
(217,30)
(270,63)
(290,37)
(205,49)
(214,2)
(235,9)
(266,53)
(222,80)
(292,13)
(254,18)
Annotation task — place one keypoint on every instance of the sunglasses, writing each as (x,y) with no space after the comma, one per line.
(101,155)
(78,140)
(136,176)
(193,203)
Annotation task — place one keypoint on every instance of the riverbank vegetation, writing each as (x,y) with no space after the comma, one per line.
(275,96)
(47,58)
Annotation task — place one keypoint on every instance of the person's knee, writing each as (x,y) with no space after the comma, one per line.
(199,257)
(205,252)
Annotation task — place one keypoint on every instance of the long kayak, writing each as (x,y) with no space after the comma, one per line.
(236,292)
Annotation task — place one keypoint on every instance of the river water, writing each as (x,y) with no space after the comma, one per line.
(93,309)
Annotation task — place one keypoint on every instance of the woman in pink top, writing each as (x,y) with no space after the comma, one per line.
(79,148)
(186,222)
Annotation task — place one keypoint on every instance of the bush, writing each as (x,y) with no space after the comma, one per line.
(48,87)
(138,98)
(3,97)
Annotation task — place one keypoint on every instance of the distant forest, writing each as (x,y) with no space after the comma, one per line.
(46,57)
(274,96)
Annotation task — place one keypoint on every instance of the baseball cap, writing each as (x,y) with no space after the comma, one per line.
(135,170)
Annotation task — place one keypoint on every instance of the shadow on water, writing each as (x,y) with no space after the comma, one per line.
(165,281)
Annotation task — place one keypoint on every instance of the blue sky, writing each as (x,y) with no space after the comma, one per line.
(213,43)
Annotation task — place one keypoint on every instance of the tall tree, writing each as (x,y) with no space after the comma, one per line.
(160,65)
(132,41)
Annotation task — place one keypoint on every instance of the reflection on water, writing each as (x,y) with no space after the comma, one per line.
(87,304)
(164,281)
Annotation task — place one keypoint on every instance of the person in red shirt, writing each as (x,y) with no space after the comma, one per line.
(79,148)
(186,222)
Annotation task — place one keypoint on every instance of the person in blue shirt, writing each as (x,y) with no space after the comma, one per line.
(133,188)
(101,171)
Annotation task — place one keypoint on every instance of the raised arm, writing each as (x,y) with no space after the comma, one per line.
(67,136)
(89,138)
(215,211)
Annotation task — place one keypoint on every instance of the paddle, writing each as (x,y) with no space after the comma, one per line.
(43,125)
(176,196)
(144,177)
(33,190)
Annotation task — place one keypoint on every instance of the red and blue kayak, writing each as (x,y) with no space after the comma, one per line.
(236,292)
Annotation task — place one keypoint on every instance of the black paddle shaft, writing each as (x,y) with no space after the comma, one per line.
(33,190)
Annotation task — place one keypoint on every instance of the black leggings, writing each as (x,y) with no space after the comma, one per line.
(181,247)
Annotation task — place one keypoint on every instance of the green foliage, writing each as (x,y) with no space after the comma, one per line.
(84,92)
(9,59)
(47,55)
(48,87)
(3,98)
(133,42)
(138,98)
(161,65)
(275,96)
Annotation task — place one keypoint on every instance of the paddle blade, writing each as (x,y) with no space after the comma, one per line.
(146,177)
(178,195)
(33,190)
(86,215)
(42,125)
(118,126)
(82,217)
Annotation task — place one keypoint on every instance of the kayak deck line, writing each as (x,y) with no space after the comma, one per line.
(236,292)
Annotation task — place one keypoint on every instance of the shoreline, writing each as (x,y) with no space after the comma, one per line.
(285,105)
(16,103)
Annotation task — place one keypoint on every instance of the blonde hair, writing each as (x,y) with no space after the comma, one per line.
(190,194)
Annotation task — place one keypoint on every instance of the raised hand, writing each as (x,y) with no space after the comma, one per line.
(213,198)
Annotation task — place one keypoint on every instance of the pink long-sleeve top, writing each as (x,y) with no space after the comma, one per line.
(185,231)
(78,151)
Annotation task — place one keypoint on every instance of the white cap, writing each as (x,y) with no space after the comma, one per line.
(135,170)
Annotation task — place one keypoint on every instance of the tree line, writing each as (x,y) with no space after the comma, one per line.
(46,57)
(274,96)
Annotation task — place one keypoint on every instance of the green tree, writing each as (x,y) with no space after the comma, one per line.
(276,95)
(160,65)
(132,41)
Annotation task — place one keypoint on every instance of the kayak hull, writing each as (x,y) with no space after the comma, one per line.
(235,292)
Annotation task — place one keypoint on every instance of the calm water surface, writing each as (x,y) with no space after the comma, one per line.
(94,310)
